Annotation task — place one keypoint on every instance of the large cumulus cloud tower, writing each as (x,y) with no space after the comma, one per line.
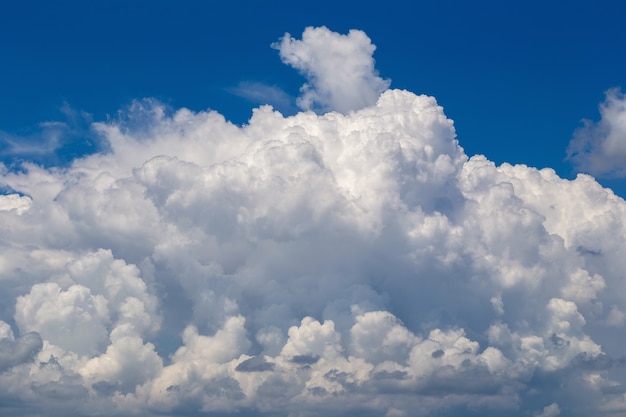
(354,262)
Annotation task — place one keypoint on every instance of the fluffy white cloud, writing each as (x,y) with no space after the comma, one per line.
(15,202)
(336,264)
(600,148)
(339,68)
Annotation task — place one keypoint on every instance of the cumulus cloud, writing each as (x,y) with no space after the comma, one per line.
(339,69)
(600,148)
(15,202)
(335,264)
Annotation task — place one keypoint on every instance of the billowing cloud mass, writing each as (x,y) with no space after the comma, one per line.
(335,264)
(339,68)
(600,148)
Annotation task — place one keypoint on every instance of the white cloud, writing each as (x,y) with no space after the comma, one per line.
(339,69)
(54,142)
(334,264)
(15,202)
(127,362)
(600,148)
(73,319)
(5,331)
(378,336)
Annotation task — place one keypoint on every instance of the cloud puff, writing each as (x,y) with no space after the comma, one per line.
(15,202)
(336,264)
(339,69)
(600,148)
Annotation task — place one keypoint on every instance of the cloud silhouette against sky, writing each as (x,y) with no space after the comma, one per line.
(600,148)
(352,262)
(339,69)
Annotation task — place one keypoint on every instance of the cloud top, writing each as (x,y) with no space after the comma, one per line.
(339,69)
(600,148)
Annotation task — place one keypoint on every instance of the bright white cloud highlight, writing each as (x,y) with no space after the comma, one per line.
(339,69)
(600,148)
(336,264)
(15,202)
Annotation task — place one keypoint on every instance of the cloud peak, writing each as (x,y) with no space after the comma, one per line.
(599,148)
(339,69)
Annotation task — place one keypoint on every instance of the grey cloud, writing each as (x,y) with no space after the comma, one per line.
(227,388)
(255,364)
(105,388)
(21,350)
(305,359)
(390,375)
(66,389)
(437,353)
(551,410)
(449,381)
(598,363)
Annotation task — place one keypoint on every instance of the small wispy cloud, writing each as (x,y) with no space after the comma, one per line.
(53,142)
(259,93)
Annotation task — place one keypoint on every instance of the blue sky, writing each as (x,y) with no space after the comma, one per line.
(516,77)
(169,245)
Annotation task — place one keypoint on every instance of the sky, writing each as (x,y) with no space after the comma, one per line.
(344,209)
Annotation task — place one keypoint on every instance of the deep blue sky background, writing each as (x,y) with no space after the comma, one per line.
(517,77)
